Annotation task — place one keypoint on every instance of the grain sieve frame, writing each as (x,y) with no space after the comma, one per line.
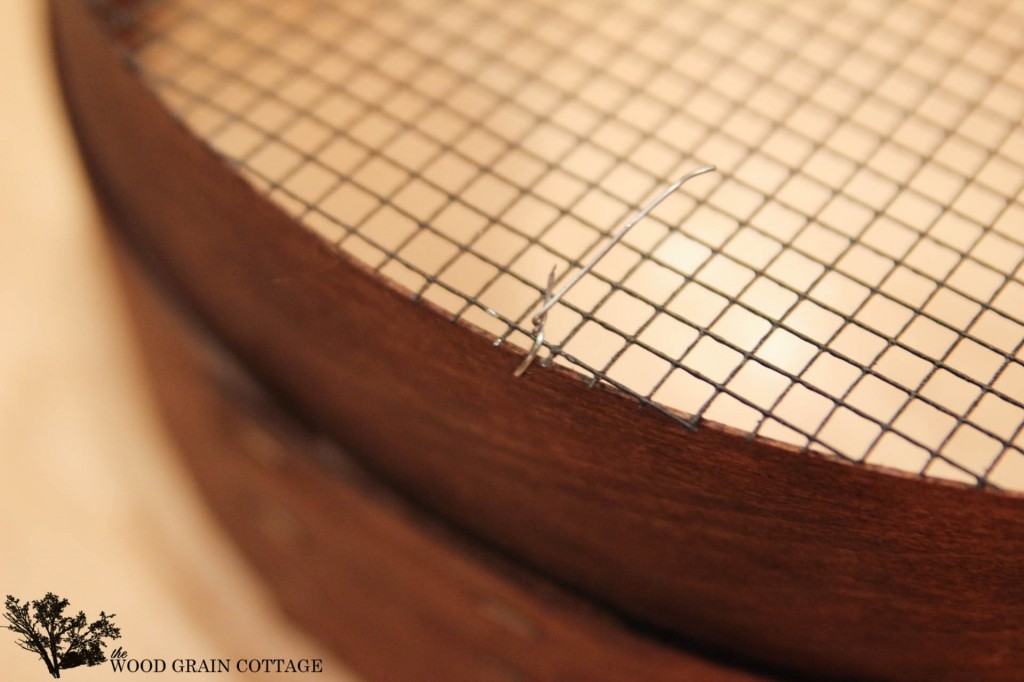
(793,559)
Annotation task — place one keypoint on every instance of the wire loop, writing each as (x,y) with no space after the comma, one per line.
(549,300)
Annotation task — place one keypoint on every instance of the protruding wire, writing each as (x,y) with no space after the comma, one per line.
(538,326)
(550,300)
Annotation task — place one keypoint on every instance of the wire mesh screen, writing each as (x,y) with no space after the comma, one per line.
(851,281)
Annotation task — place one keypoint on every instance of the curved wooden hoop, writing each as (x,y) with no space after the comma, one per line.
(392,591)
(796,561)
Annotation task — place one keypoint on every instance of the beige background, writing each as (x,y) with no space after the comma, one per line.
(93,503)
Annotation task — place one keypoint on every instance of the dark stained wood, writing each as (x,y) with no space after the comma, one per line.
(393,592)
(797,561)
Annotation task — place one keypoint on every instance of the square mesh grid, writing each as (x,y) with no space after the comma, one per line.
(852,281)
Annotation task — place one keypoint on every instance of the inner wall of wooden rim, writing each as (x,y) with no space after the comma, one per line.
(850,281)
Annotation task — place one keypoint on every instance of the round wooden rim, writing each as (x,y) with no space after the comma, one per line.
(797,561)
(396,594)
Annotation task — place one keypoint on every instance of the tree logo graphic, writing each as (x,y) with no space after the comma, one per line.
(61,641)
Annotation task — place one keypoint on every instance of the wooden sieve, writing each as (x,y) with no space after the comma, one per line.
(782,417)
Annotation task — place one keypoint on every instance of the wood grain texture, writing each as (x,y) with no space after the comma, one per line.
(392,591)
(800,562)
